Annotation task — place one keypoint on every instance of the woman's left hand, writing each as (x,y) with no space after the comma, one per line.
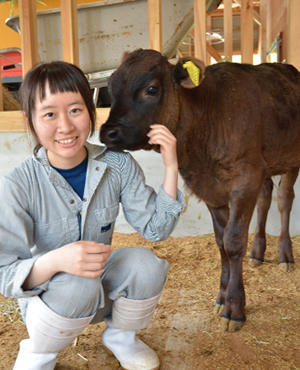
(160,135)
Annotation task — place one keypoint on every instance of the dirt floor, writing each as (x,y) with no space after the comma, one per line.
(184,331)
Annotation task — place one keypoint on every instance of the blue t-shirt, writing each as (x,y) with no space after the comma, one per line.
(75,176)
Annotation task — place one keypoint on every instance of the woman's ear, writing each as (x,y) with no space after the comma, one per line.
(189,72)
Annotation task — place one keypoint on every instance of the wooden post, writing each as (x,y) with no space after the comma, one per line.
(192,42)
(293,50)
(263,31)
(200,29)
(228,46)
(256,16)
(155,25)
(29,40)
(208,43)
(247,31)
(69,30)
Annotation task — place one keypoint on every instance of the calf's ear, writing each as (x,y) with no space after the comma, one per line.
(189,72)
(124,55)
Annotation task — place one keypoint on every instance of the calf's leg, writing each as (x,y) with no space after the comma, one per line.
(243,199)
(259,242)
(285,199)
(220,218)
(231,274)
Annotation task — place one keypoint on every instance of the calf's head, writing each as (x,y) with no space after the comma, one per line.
(144,91)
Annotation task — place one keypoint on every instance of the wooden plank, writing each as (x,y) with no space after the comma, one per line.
(179,53)
(200,29)
(228,42)
(263,31)
(69,30)
(29,39)
(13,121)
(247,31)
(155,25)
(293,49)
(213,52)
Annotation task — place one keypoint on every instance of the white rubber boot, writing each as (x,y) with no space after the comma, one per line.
(48,333)
(119,336)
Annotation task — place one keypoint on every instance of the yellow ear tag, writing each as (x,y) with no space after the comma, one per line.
(193,71)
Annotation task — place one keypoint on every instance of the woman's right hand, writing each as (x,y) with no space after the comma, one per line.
(82,258)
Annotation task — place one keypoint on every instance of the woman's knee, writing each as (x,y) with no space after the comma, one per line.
(73,296)
(147,264)
(135,273)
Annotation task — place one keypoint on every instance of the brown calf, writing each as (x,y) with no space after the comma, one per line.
(239,127)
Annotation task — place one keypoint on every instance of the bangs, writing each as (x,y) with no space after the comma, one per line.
(58,81)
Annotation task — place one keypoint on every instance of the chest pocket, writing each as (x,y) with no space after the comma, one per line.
(106,216)
(52,235)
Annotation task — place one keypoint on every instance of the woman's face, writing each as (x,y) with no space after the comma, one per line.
(62,125)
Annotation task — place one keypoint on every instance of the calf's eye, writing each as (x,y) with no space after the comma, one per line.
(153,90)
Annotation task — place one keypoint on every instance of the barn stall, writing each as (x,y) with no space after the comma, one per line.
(184,331)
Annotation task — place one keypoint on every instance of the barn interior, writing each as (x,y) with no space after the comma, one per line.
(94,35)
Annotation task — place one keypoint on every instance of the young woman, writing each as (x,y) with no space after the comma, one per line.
(58,211)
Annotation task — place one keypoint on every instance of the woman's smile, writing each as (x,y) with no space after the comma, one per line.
(67,141)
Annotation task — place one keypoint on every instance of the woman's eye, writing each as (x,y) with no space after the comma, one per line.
(49,115)
(153,90)
(75,110)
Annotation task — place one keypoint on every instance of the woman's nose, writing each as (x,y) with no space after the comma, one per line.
(65,124)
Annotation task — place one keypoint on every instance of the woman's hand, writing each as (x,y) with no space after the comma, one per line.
(82,258)
(160,135)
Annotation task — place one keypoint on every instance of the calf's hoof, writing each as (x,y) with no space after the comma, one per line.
(253,262)
(286,266)
(219,309)
(232,325)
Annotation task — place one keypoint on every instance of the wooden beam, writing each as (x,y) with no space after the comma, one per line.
(228,42)
(191,42)
(256,16)
(200,29)
(29,39)
(208,28)
(155,25)
(179,53)
(293,49)
(213,52)
(13,121)
(263,32)
(69,30)
(247,31)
